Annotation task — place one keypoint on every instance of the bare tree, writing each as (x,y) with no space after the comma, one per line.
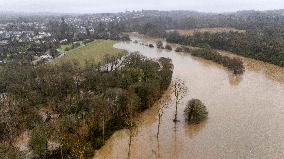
(179,90)
(164,102)
(132,131)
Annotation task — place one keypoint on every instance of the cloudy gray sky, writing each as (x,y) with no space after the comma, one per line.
(95,6)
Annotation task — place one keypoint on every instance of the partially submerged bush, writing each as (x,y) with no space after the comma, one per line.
(168,47)
(195,111)
(160,45)
(185,49)
(178,49)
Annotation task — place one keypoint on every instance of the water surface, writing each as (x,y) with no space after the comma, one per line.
(246,114)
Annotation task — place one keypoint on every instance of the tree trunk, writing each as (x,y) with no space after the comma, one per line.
(61,153)
(103,130)
(175,120)
(159,124)
(129,145)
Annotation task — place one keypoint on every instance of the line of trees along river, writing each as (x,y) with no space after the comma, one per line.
(233,64)
(262,47)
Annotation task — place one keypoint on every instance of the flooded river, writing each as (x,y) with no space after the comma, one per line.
(246,114)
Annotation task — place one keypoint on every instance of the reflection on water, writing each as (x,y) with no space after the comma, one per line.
(193,129)
(270,71)
(234,80)
(245,114)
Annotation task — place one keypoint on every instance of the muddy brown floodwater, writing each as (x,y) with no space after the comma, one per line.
(246,114)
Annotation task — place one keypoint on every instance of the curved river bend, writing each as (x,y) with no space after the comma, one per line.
(246,114)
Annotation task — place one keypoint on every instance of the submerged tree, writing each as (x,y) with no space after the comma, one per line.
(178,49)
(179,90)
(168,47)
(195,111)
(132,132)
(160,45)
(151,45)
(164,102)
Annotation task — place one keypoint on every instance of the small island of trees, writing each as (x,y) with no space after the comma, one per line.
(195,111)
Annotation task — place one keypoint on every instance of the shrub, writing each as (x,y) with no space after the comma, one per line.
(168,47)
(32,120)
(151,45)
(178,49)
(67,49)
(39,140)
(124,37)
(9,152)
(75,45)
(3,130)
(160,45)
(278,59)
(195,111)
(86,41)
(185,49)
(67,124)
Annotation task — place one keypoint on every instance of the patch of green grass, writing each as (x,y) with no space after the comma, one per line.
(94,51)
(63,47)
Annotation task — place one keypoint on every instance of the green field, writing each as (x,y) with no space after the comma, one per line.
(94,51)
(63,47)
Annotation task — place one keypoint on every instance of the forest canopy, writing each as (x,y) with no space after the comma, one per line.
(74,107)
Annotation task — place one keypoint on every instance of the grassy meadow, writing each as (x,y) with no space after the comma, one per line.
(93,51)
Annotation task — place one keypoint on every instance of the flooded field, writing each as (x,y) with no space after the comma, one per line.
(246,114)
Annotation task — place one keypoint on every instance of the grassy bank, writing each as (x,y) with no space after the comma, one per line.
(94,51)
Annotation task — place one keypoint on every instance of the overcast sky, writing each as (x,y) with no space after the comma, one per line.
(95,6)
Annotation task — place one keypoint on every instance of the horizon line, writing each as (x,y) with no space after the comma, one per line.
(126,10)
